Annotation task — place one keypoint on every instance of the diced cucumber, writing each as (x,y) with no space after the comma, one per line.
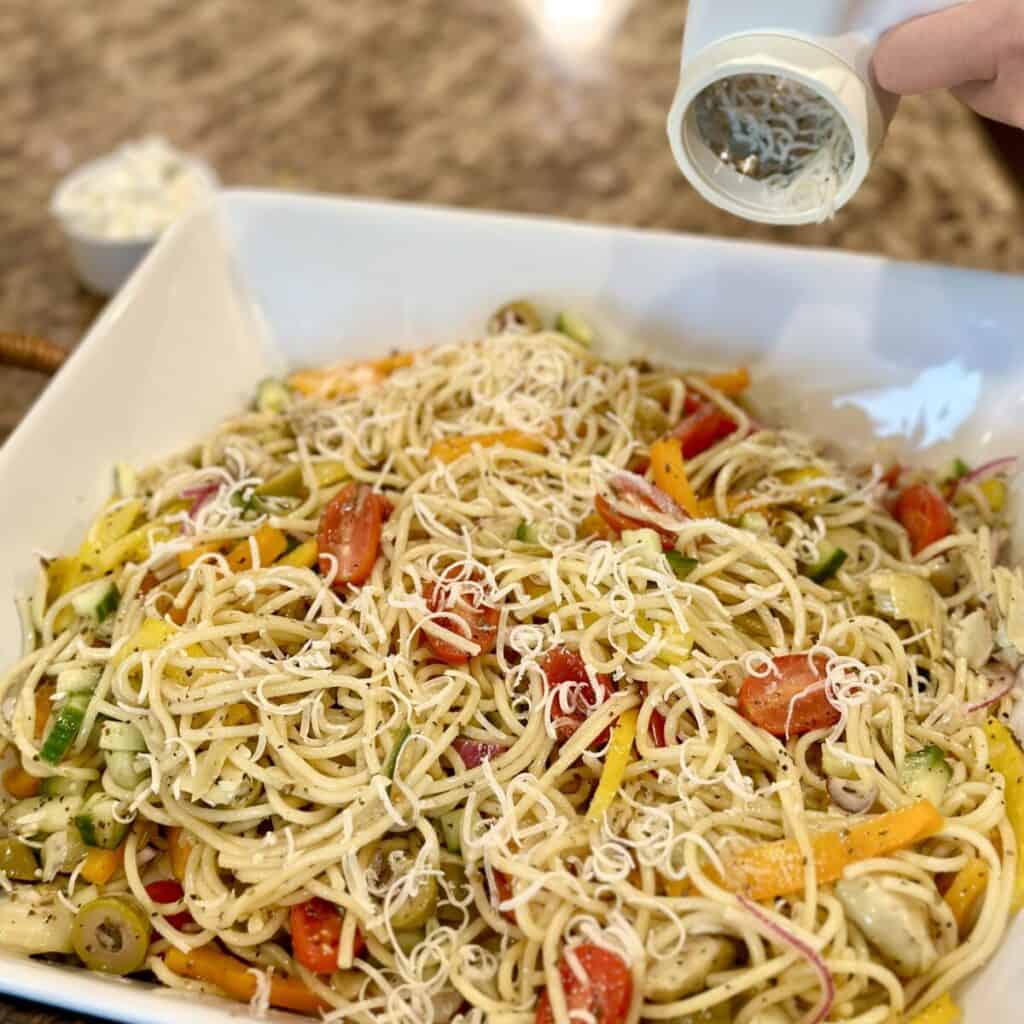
(65,724)
(98,601)
(682,566)
(830,561)
(926,774)
(575,327)
(835,766)
(272,395)
(40,815)
(451,827)
(958,469)
(526,533)
(78,680)
(59,785)
(122,736)
(62,852)
(125,768)
(98,824)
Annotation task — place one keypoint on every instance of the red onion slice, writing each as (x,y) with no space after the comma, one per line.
(850,798)
(1004,681)
(811,955)
(475,752)
(1007,464)
(637,486)
(199,495)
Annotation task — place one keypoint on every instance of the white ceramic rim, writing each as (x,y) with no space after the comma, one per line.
(94,166)
(721,185)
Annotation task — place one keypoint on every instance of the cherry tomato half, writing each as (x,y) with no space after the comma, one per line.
(350,528)
(924,515)
(465,614)
(604,992)
(657,729)
(618,522)
(167,890)
(503,891)
(704,425)
(576,697)
(796,681)
(316,934)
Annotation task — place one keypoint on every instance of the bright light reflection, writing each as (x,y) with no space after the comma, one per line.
(575,28)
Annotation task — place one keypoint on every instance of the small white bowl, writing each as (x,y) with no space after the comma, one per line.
(104,264)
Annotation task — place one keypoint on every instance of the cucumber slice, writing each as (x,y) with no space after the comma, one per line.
(451,827)
(575,327)
(41,815)
(649,544)
(66,723)
(682,566)
(59,785)
(392,762)
(755,522)
(837,767)
(830,561)
(526,533)
(78,680)
(125,768)
(122,736)
(97,823)
(926,774)
(98,601)
(272,395)
(62,852)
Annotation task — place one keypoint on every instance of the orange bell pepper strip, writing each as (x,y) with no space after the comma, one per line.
(186,558)
(232,976)
(669,469)
(777,869)
(452,448)
(100,866)
(731,382)
(968,885)
(270,542)
(348,378)
(178,850)
(20,784)
(44,700)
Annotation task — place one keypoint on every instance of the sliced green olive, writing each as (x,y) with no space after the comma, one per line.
(515,316)
(17,861)
(111,935)
(407,911)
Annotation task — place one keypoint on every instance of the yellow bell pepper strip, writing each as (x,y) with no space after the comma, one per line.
(942,1011)
(115,522)
(777,869)
(452,448)
(731,382)
(968,885)
(305,556)
(270,542)
(100,866)
(150,636)
(620,747)
(178,850)
(676,887)
(211,547)
(233,977)
(20,784)
(348,378)
(669,469)
(1008,759)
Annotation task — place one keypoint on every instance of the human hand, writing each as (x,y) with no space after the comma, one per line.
(975,49)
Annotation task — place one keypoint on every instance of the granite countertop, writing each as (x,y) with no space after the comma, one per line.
(456,103)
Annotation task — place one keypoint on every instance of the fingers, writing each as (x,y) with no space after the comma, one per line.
(995,100)
(941,50)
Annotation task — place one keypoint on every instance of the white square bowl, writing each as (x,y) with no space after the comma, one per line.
(928,359)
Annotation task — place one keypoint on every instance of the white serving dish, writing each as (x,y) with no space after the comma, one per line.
(851,347)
